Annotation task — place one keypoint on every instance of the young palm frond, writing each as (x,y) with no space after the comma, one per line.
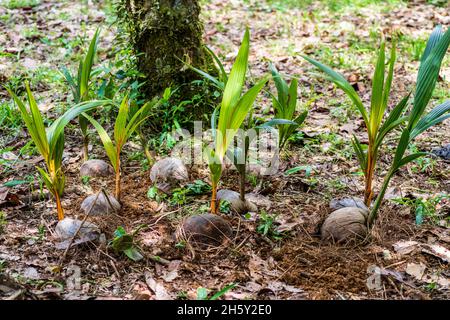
(285,105)
(233,110)
(123,128)
(418,120)
(376,128)
(80,86)
(50,142)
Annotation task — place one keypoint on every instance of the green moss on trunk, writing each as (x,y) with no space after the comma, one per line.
(162,32)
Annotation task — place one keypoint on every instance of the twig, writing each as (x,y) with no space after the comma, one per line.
(115,269)
(160,260)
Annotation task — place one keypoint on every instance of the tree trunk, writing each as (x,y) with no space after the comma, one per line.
(162,32)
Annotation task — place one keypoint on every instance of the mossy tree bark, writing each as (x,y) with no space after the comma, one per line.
(162,32)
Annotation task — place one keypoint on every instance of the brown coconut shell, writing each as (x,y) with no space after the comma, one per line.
(168,174)
(96,168)
(345,225)
(205,230)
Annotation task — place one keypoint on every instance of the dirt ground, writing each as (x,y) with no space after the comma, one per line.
(298,265)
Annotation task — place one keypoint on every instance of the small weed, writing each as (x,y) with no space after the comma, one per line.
(180,245)
(266,226)
(425,208)
(307,169)
(203,293)
(180,195)
(41,232)
(154,194)
(431,286)
(123,242)
(182,295)
(85,180)
(423,164)
(225,206)
(253,179)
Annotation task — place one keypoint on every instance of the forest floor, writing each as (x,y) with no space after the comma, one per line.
(38,37)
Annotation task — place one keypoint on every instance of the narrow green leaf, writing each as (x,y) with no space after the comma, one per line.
(388,83)
(87,66)
(292,100)
(410,158)
(401,148)
(106,141)
(395,114)
(36,136)
(47,180)
(340,81)
(386,129)
(301,117)
(280,84)
(121,121)
(239,112)
(235,84)
(434,39)
(216,82)
(223,74)
(223,291)
(434,117)
(58,126)
(376,103)
(427,78)
(38,121)
(359,153)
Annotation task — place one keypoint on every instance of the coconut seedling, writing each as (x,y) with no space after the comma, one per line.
(232,113)
(80,87)
(239,155)
(349,222)
(123,128)
(377,121)
(285,105)
(50,142)
(418,120)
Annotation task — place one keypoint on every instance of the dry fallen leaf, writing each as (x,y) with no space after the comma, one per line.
(405,247)
(437,251)
(158,288)
(416,270)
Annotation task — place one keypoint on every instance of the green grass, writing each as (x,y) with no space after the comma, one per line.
(19,4)
(9,117)
(332,5)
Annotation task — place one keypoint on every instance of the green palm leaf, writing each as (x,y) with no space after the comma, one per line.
(106,141)
(428,75)
(235,84)
(340,81)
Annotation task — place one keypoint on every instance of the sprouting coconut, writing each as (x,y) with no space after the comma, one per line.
(168,174)
(236,203)
(337,204)
(344,225)
(347,223)
(100,205)
(205,229)
(68,227)
(96,168)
